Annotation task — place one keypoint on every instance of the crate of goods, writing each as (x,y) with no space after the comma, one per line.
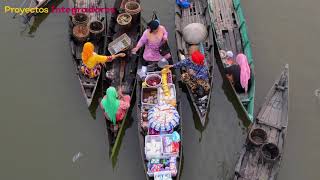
(162,175)
(149,96)
(169,75)
(144,116)
(170,148)
(153,146)
(121,43)
(171,99)
(162,165)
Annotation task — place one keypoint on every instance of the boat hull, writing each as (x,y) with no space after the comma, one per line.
(230,34)
(261,156)
(183,17)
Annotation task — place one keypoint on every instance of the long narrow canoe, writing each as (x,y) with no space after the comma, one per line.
(88,85)
(124,72)
(33,4)
(261,156)
(231,35)
(142,132)
(39,18)
(197,13)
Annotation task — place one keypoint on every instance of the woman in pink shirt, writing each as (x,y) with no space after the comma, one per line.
(152,39)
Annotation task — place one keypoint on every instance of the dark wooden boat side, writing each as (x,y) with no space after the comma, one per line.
(88,85)
(230,33)
(39,18)
(197,14)
(35,4)
(273,119)
(141,133)
(130,69)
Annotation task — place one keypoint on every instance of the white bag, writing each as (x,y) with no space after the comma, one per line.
(194,33)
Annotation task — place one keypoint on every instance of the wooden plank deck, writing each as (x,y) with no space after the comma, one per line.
(273,119)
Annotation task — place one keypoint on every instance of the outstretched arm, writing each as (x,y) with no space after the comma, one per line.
(103,59)
(180,64)
(142,41)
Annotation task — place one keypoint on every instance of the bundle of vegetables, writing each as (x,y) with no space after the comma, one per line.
(165,87)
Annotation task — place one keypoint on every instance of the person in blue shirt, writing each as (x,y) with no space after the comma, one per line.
(197,75)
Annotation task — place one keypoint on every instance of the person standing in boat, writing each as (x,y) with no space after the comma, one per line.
(153,37)
(197,76)
(115,105)
(239,74)
(91,61)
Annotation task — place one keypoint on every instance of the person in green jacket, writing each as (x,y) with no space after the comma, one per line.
(115,105)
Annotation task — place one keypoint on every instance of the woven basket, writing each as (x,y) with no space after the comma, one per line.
(80,18)
(96,29)
(124,20)
(80,32)
(133,8)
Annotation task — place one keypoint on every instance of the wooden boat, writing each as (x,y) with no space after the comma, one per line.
(32,4)
(41,17)
(143,132)
(123,71)
(88,85)
(231,35)
(261,156)
(197,13)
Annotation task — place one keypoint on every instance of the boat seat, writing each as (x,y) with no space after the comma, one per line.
(244,98)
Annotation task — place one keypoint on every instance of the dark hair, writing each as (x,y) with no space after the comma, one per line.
(153,25)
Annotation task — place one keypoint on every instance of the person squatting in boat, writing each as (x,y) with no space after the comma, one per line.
(152,38)
(115,105)
(91,61)
(239,74)
(197,75)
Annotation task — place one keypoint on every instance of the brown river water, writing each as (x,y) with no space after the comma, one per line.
(45,123)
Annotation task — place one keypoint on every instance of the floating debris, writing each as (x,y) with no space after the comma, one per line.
(76,157)
(317,93)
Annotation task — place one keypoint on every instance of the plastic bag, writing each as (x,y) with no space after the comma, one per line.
(183,3)
(195,33)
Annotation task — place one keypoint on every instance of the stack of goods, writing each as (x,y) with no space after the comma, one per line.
(149,96)
(163,118)
(153,146)
(164,164)
(165,87)
(171,99)
(162,152)
(162,175)
(170,147)
(144,118)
